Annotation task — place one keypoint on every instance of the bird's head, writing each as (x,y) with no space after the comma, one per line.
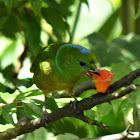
(75,60)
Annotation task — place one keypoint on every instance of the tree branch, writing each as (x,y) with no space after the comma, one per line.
(68,110)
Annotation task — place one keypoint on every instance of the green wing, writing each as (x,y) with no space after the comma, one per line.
(38,59)
(46,53)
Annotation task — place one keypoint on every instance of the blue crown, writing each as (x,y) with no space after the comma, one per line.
(81,48)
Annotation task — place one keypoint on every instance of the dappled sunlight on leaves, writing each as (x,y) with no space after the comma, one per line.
(28,26)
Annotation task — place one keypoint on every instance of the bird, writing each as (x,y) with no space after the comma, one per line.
(59,66)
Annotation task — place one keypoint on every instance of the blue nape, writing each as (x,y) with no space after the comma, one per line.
(81,48)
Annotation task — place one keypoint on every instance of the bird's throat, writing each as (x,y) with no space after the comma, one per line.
(89,73)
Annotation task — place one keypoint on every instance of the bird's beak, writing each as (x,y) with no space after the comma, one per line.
(90,71)
(95,71)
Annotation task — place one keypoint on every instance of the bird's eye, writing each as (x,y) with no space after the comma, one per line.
(82,63)
(92,62)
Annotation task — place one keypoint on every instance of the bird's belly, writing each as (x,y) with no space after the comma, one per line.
(49,85)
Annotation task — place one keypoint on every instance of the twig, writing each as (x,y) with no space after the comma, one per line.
(69,111)
(91,121)
(120,136)
(21,60)
(100,98)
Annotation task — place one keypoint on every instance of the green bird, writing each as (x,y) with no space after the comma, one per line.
(60,66)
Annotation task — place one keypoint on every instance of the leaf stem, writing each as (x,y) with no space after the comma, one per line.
(137,21)
(75,22)
(126,16)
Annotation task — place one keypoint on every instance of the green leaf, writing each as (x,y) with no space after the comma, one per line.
(35,93)
(3,10)
(1,108)
(138,13)
(116,123)
(9,52)
(9,55)
(5,127)
(67,136)
(38,134)
(120,70)
(8,72)
(100,47)
(104,109)
(130,115)
(116,105)
(69,125)
(2,102)
(127,104)
(108,27)
(20,110)
(59,27)
(7,112)
(87,93)
(2,88)
(138,102)
(119,50)
(132,41)
(8,29)
(9,98)
(86,2)
(32,30)
(8,4)
(36,5)
(51,104)
(3,14)
(29,94)
(24,82)
(31,109)
(125,46)
(54,4)
(115,3)
(65,5)
(128,107)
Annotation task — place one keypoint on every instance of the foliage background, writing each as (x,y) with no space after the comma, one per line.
(110,28)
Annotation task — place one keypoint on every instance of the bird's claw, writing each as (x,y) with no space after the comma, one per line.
(45,114)
(74,104)
(45,118)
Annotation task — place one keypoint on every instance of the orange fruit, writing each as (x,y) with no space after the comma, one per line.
(103,80)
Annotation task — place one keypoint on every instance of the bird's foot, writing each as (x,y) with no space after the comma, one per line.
(109,102)
(45,118)
(74,104)
(45,114)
